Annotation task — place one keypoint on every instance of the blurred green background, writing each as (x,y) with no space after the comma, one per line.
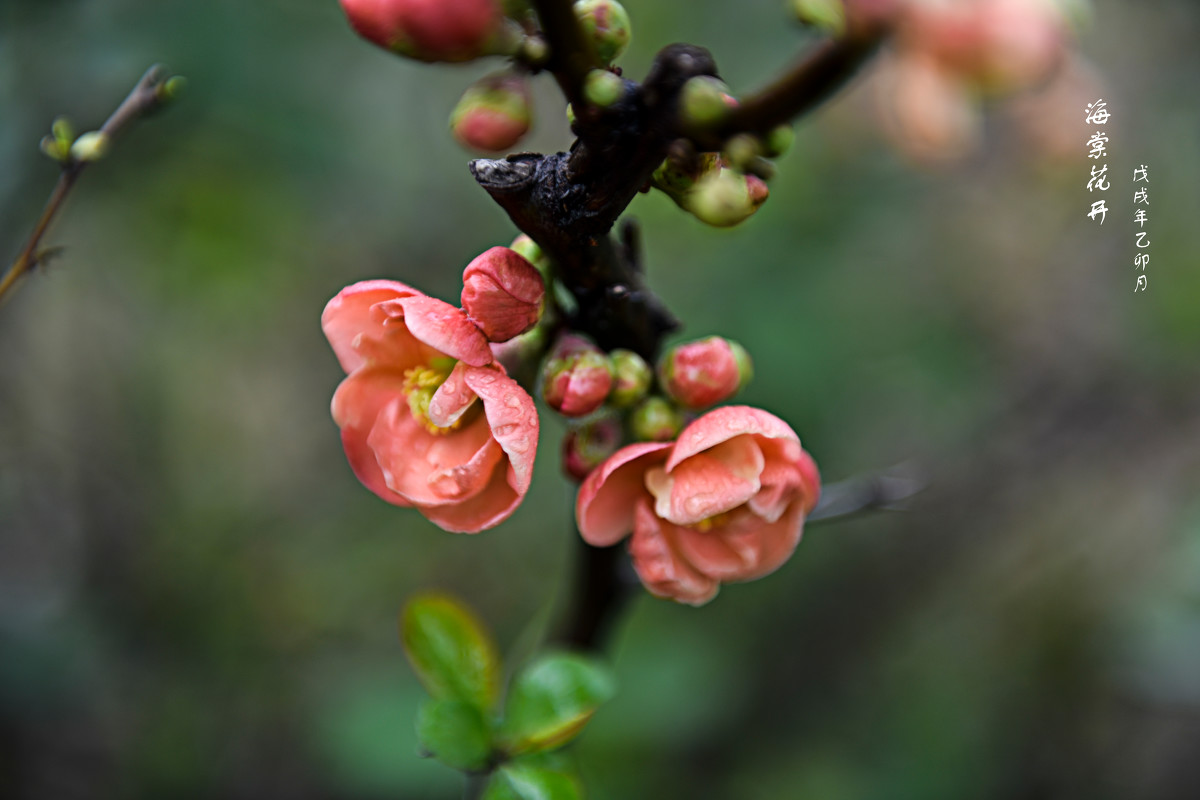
(197,599)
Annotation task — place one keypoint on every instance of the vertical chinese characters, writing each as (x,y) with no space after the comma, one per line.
(1141,201)
(1097,114)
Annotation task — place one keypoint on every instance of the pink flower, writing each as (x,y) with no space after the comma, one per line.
(725,502)
(704,372)
(411,427)
(428,30)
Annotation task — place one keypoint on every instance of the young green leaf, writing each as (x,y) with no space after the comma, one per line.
(551,700)
(520,781)
(451,652)
(456,733)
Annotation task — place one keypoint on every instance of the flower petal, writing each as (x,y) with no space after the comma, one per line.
(452,398)
(711,482)
(487,509)
(502,293)
(764,546)
(353,330)
(446,329)
(432,469)
(658,563)
(512,418)
(722,424)
(604,507)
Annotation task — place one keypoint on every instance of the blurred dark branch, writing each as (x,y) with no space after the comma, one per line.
(571,53)
(883,491)
(150,93)
(807,82)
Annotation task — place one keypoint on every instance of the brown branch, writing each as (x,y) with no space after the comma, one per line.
(572,56)
(807,82)
(149,94)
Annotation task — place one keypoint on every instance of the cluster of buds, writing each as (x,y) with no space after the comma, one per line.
(725,188)
(495,112)
(949,56)
(598,390)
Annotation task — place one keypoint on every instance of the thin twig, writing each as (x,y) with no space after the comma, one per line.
(148,95)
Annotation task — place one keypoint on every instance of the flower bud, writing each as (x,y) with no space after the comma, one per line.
(632,377)
(705,101)
(725,198)
(91,146)
(676,177)
(655,420)
(430,30)
(705,372)
(602,88)
(528,249)
(493,114)
(502,293)
(825,15)
(607,23)
(586,447)
(778,141)
(577,377)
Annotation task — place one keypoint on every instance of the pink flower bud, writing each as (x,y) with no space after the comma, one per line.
(502,293)
(586,447)
(429,30)
(701,373)
(577,377)
(493,114)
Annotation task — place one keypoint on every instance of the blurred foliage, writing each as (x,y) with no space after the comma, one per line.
(197,599)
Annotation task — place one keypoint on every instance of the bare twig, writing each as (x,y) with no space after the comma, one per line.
(149,94)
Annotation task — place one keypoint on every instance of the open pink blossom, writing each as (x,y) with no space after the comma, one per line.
(428,419)
(724,502)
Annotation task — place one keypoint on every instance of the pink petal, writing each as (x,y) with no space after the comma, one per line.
(764,546)
(605,503)
(722,424)
(660,567)
(513,420)
(712,482)
(446,329)
(431,469)
(452,398)
(366,467)
(358,336)
(487,509)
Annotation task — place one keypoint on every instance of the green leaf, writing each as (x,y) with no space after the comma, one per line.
(451,652)
(551,700)
(519,781)
(456,733)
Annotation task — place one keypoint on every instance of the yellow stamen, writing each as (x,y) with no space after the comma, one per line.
(420,383)
(715,521)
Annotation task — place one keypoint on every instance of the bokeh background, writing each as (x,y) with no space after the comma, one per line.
(197,599)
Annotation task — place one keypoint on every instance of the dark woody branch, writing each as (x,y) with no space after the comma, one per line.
(571,52)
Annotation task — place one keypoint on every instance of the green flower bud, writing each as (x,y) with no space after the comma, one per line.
(726,198)
(740,150)
(779,141)
(607,23)
(705,101)
(655,420)
(632,377)
(827,15)
(602,88)
(91,146)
